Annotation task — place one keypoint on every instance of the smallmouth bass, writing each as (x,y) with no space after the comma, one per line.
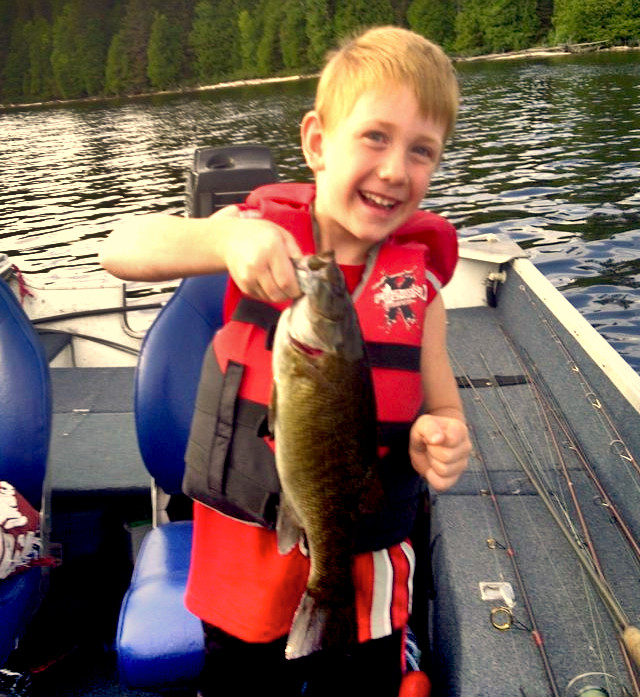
(323,417)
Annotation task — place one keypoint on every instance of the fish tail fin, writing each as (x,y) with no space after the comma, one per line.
(317,627)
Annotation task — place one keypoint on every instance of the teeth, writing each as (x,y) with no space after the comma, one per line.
(379,200)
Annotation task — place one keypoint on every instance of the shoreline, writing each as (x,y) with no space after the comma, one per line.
(541,52)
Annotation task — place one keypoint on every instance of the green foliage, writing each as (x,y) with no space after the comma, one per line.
(65,56)
(495,26)
(469,28)
(136,30)
(215,40)
(293,41)
(38,37)
(117,68)
(246,43)
(269,56)
(509,25)
(62,49)
(13,73)
(318,30)
(355,15)
(164,53)
(597,20)
(434,19)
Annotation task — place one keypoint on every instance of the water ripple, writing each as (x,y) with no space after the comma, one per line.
(547,151)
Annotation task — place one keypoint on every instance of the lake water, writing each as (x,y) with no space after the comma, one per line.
(547,152)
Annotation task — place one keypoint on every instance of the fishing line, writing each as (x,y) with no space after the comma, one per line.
(590,394)
(553,410)
(534,630)
(492,543)
(547,474)
(630,635)
(545,394)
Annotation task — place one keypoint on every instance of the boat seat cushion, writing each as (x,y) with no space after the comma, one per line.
(25,401)
(25,429)
(159,641)
(168,373)
(19,597)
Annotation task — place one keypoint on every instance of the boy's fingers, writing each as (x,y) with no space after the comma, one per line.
(432,431)
(293,250)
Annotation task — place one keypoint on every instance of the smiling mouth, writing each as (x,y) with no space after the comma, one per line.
(381,202)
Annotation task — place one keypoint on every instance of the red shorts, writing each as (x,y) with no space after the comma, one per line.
(239,582)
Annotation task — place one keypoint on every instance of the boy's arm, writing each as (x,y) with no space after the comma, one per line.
(439,444)
(159,247)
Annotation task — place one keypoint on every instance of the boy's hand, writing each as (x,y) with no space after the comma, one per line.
(439,448)
(258,256)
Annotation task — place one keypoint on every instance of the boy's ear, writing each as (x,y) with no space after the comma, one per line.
(311,138)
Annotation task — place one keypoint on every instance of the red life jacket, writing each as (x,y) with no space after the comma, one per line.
(230,462)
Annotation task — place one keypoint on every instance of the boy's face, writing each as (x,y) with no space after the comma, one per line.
(372,170)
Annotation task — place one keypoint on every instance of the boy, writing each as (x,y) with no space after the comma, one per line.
(385,105)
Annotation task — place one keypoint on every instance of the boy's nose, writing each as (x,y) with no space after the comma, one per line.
(393,168)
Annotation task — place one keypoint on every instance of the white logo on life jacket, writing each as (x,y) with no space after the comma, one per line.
(397,293)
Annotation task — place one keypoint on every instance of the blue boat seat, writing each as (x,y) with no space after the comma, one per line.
(25,432)
(159,643)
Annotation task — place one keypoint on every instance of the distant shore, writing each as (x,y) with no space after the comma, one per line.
(550,51)
(536,52)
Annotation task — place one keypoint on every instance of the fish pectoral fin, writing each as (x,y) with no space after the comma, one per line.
(288,526)
(318,627)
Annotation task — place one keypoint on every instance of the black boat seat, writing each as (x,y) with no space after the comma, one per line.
(25,430)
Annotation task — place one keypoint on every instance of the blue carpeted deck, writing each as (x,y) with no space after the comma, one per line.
(512,423)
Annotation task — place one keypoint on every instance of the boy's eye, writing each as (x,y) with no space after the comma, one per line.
(425,152)
(375,136)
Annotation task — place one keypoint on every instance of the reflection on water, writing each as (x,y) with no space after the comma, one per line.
(547,152)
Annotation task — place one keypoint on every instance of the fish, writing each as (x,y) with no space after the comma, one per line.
(322,415)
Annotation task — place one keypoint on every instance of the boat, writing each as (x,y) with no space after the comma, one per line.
(527,579)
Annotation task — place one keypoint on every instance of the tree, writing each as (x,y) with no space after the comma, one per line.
(40,79)
(268,52)
(92,42)
(214,39)
(509,25)
(434,19)
(135,30)
(586,20)
(246,43)
(318,30)
(66,59)
(469,28)
(164,54)
(626,26)
(544,12)
(292,35)
(354,15)
(117,68)
(14,73)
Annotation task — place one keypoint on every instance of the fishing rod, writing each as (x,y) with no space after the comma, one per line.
(588,390)
(535,632)
(545,398)
(629,634)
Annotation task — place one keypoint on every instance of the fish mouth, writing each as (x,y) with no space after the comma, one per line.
(311,351)
(378,201)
